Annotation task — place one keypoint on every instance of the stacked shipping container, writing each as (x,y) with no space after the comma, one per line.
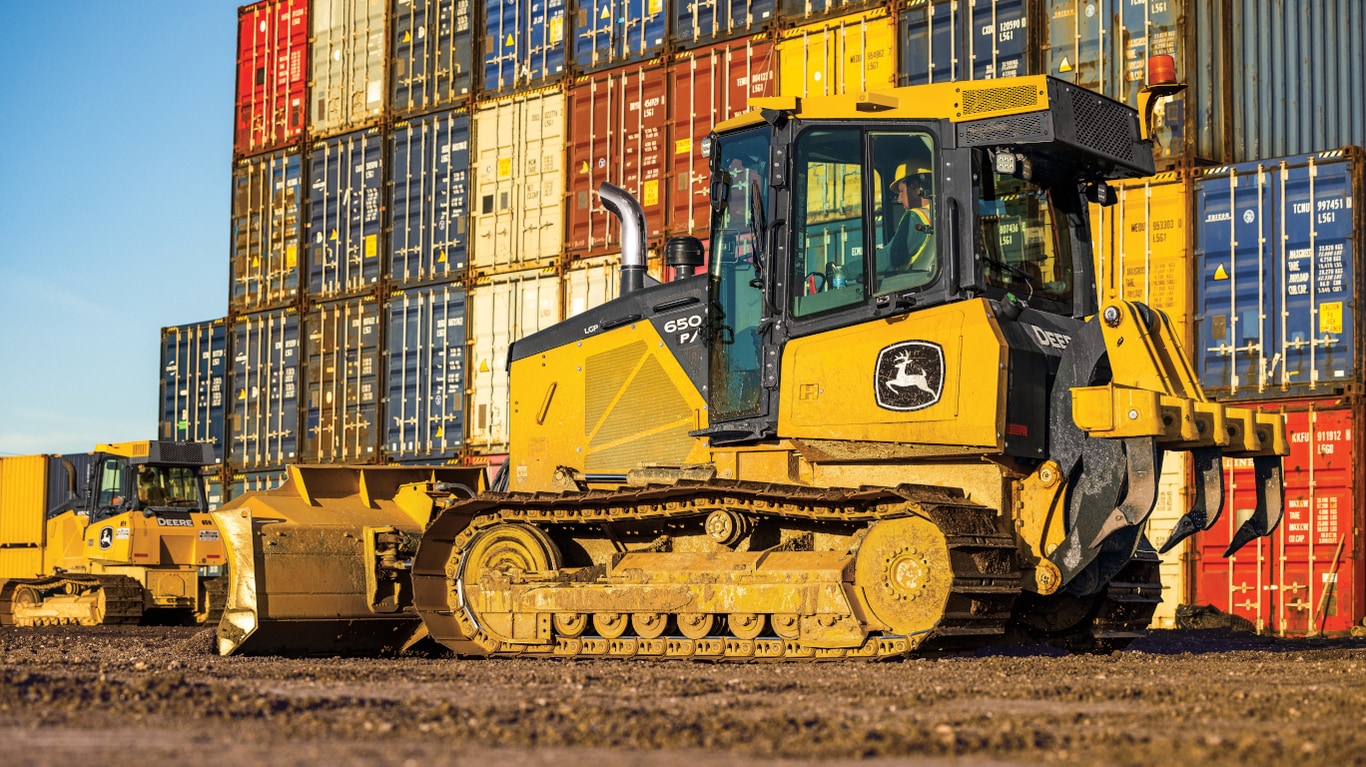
(412,195)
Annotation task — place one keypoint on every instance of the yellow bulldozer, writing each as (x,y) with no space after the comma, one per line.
(890,417)
(111,537)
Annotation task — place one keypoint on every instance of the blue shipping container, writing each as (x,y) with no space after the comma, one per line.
(610,33)
(429,198)
(254,481)
(194,388)
(267,211)
(68,478)
(341,376)
(526,43)
(703,22)
(1277,244)
(345,208)
(433,54)
(263,416)
(425,370)
(963,40)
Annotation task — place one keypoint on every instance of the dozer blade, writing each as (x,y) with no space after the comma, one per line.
(1270,503)
(1209,497)
(320,566)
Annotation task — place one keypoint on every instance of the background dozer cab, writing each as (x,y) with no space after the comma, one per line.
(826,448)
(134,535)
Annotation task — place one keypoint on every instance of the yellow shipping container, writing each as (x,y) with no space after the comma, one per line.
(518,204)
(23,516)
(849,54)
(1143,248)
(1173,500)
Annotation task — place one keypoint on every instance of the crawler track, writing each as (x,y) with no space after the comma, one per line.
(982,581)
(117,599)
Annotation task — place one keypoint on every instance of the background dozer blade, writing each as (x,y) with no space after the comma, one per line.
(322,564)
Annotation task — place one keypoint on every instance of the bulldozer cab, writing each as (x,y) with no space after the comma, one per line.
(143,476)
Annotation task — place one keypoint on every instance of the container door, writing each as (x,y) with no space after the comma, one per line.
(433,54)
(963,40)
(429,199)
(425,406)
(850,55)
(267,211)
(345,211)
(702,22)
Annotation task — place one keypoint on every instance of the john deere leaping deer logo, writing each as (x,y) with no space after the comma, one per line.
(910,375)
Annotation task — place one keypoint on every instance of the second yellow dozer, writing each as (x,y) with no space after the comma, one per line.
(831,444)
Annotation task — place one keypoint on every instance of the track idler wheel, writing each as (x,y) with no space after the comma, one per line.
(502,552)
(903,569)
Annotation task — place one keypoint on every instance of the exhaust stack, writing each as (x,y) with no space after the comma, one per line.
(622,205)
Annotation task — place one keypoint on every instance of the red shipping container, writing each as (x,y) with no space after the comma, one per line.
(1308,577)
(272,75)
(707,86)
(618,129)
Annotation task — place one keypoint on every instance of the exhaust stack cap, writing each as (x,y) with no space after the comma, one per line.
(622,205)
(684,255)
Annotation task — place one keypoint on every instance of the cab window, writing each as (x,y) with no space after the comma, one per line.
(1022,238)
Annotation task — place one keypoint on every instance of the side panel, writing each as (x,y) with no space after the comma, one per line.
(503,310)
(424,410)
(342,373)
(23,500)
(272,75)
(526,43)
(618,128)
(267,210)
(1277,245)
(1295,581)
(964,40)
(429,198)
(609,33)
(704,22)
(519,175)
(845,55)
(263,416)
(433,55)
(348,74)
(1143,248)
(345,204)
(707,86)
(194,387)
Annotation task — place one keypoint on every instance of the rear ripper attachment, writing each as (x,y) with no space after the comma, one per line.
(718,569)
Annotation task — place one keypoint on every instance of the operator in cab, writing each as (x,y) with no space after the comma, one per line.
(912,245)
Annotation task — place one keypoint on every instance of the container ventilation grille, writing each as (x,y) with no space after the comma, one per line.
(1004,129)
(1099,124)
(982,100)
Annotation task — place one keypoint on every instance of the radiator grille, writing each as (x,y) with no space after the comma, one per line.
(998,99)
(1097,120)
(1004,129)
(633,415)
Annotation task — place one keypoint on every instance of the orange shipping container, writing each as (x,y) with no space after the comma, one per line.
(618,132)
(707,86)
(849,54)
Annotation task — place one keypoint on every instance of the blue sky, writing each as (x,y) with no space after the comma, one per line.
(115,185)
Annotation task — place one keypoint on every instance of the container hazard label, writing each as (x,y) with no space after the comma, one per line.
(504,167)
(1330,317)
(651,193)
(683,145)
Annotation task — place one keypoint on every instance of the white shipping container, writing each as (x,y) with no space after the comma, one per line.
(502,310)
(1174,496)
(348,77)
(518,209)
(590,283)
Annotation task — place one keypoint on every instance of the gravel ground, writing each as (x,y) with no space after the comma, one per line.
(140,696)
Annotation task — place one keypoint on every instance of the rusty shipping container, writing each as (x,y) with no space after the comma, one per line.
(706,86)
(424,404)
(611,33)
(964,40)
(1306,578)
(432,59)
(848,54)
(1143,244)
(1279,245)
(347,74)
(429,191)
(699,23)
(267,209)
(345,214)
(272,75)
(194,383)
(342,382)
(263,415)
(526,44)
(503,309)
(618,132)
(519,177)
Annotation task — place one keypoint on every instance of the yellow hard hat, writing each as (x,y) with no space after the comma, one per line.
(905,170)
